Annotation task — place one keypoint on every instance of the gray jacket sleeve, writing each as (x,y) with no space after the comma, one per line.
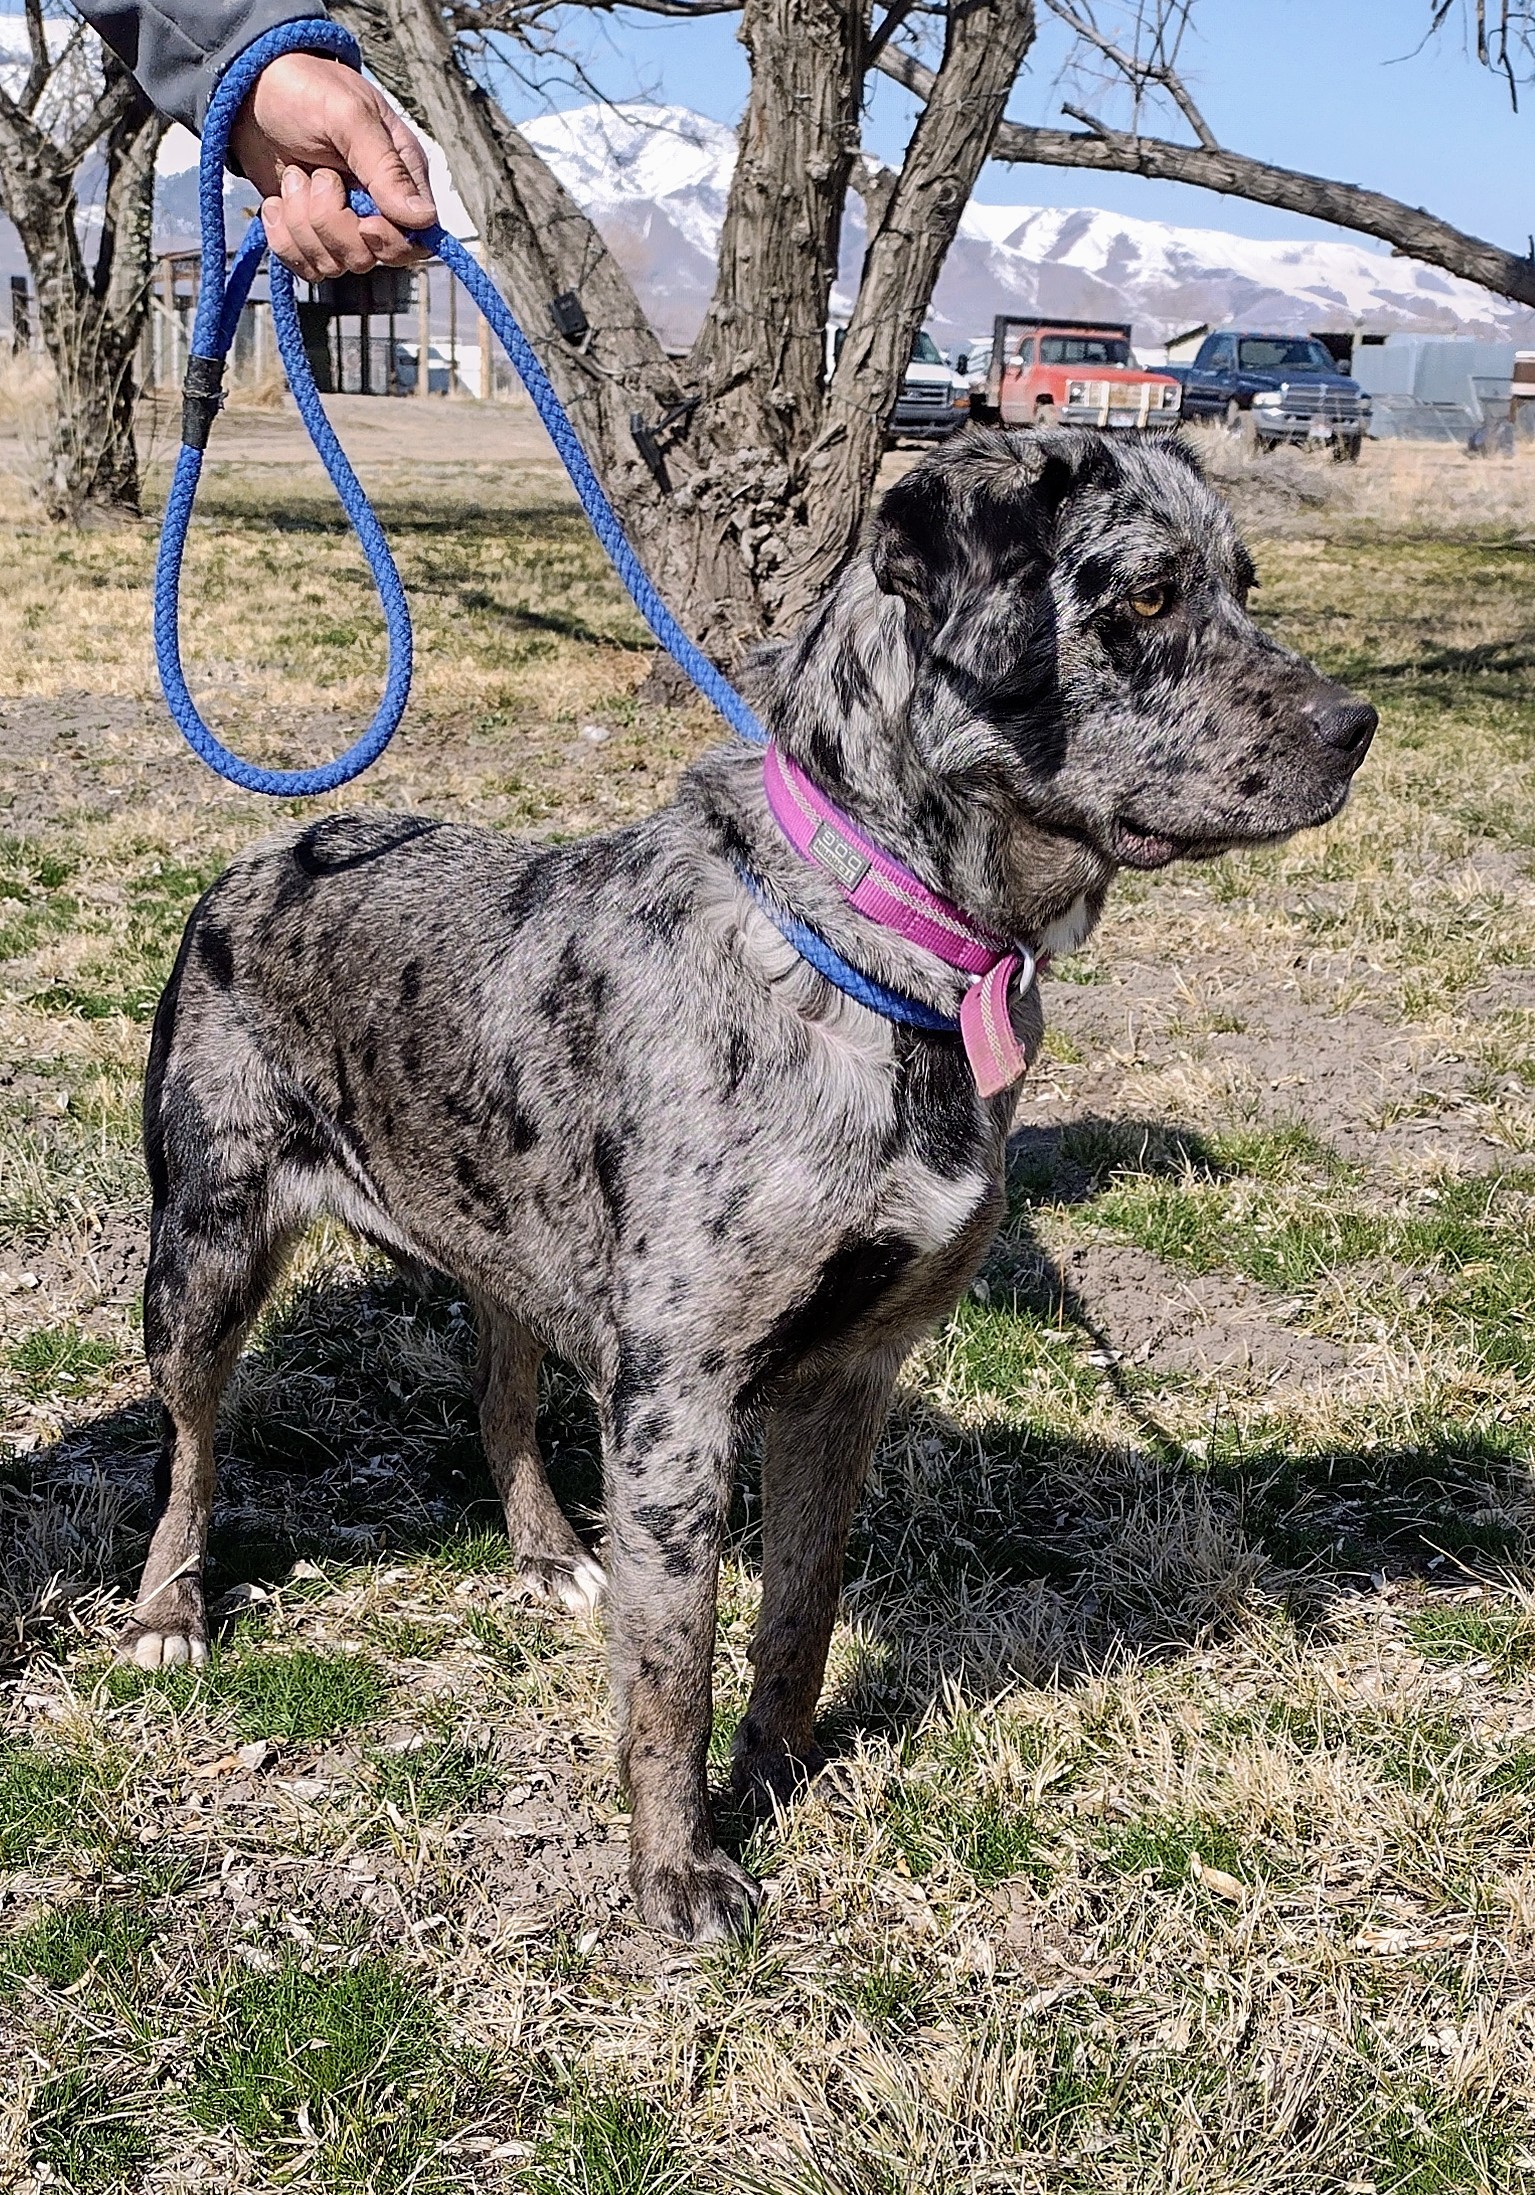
(178,49)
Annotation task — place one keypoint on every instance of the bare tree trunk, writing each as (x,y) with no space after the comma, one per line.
(762,346)
(90,321)
(540,245)
(1414,233)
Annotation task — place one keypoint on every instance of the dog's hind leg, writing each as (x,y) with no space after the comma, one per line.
(550,1558)
(820,1438)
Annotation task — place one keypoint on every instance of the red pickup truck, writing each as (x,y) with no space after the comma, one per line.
(1042,373)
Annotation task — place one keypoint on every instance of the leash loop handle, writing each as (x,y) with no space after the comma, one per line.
(221,300)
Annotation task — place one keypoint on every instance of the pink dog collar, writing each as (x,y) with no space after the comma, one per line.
(887,893)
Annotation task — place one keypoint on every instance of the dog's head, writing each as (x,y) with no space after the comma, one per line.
(1076,610)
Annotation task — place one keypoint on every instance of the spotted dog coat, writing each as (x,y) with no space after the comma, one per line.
(594,1084)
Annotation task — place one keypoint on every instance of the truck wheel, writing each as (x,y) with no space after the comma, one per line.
(1241,424)
(1044,413)
(1345,448)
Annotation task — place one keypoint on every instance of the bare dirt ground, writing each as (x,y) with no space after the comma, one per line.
(1177,1835)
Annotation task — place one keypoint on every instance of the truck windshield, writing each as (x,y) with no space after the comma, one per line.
(924,351)
(1273,353)
(1083,350)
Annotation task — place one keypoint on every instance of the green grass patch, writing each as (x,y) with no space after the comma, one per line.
(1430,2143)
(1513,1777)
(33,904)
(1164,1846)
(442,1777)
(518,1648)
(356,2057)
(87,2135)
(302,1694)
(990,1839)
(483,1552)
(609,2142)
(296,1695)
(62,1946)
(60,1356)
(404,1639)
(891,1997)
(48,1804)
(1480,1631)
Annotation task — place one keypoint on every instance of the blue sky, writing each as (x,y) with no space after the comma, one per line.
(1315,84)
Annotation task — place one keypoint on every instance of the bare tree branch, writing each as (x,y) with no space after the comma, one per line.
(1506,47)
(984,45)
(114,102)
(521,19)
(1412,232)
(894,16)
(37,41)
(1152,57)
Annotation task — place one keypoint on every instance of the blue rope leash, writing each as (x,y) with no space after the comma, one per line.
(220,303)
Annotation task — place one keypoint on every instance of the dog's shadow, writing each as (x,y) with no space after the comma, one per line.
(991,1549)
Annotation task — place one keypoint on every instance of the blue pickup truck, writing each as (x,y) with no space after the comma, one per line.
(1274,388)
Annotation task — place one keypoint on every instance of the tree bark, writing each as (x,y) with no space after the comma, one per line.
(985,44)
(90,321)
(1414,233)
(762,345)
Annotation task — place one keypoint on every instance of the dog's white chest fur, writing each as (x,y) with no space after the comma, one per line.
(1071,930)
(929,1209)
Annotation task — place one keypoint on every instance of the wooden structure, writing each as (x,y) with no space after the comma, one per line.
(364,335)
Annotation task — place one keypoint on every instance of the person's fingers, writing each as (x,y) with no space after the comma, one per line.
(391,246)
(335,225)
(383,243)
(279,235)
(387,162)
(275,221)
(412,156)
(310,256)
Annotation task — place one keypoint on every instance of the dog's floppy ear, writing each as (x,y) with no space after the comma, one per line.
(983,507)
(911,544)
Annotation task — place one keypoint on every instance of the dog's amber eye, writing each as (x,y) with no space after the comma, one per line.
(1151,601)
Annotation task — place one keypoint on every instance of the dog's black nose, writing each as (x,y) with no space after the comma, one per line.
(1347,725)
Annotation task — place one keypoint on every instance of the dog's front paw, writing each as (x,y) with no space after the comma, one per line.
(703,1901)
(167,1629)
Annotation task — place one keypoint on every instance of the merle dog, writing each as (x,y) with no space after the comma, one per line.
(594,1084)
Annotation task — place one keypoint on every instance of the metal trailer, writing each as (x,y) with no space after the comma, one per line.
(1435,388)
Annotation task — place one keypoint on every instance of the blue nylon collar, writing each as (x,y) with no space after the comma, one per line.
(828,962)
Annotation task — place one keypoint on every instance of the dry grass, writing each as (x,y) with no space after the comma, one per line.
(1396,488)
(1183,1708)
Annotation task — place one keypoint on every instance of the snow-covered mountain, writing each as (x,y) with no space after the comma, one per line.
(655,180)
(1166,279)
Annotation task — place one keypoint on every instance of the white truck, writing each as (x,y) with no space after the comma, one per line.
(934,399)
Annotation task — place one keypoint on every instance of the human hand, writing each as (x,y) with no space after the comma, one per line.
(310,129)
